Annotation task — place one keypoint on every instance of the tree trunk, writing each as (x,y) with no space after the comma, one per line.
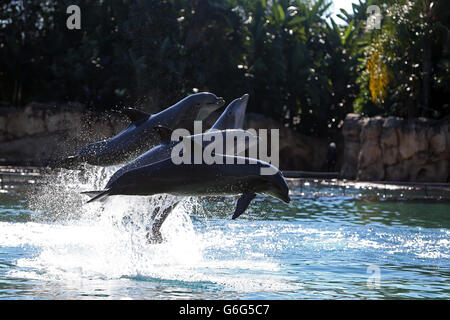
(426,62)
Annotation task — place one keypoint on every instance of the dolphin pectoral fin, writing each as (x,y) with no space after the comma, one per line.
(164,133)
(243,203)
(97,195)
(155,236)
(135,115)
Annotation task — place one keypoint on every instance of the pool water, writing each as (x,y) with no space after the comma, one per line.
(54,246)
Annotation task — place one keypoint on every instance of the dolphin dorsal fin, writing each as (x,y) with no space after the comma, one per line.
(135,114)
(164,133)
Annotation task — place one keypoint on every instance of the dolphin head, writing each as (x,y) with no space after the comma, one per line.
(203,104)
(233,116)
(276,186)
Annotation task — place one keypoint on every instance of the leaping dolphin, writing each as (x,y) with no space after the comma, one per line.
(231,118)
(140,135)
(202,180)
(243,140)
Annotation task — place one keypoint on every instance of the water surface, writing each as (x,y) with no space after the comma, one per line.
(54,246)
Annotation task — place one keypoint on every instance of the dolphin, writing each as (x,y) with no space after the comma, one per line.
(242,141)
(140,135)
(234,175)
(231,118)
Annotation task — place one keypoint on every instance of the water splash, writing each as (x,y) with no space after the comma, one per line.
(118,225)
(108,240)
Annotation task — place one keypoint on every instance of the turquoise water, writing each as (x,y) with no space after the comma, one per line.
(53,245)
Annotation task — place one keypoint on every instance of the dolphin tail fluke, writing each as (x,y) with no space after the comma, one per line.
(96,195)
(92,193)
(243,203)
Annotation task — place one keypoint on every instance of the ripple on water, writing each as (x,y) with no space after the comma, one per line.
(311,248)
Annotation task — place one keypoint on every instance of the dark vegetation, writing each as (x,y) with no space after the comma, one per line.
(299,66)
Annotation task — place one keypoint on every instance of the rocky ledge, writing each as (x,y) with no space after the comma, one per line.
(42,133)
(396,149)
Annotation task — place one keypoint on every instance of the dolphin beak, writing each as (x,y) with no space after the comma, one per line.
(287,199)
(283,196)
(245,97)
(209,108)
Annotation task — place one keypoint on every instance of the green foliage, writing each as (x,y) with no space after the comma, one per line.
(413,48)
(298,66)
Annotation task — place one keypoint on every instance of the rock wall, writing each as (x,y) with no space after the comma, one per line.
(297,151)
(395,149)
(42,133)
(371,149)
